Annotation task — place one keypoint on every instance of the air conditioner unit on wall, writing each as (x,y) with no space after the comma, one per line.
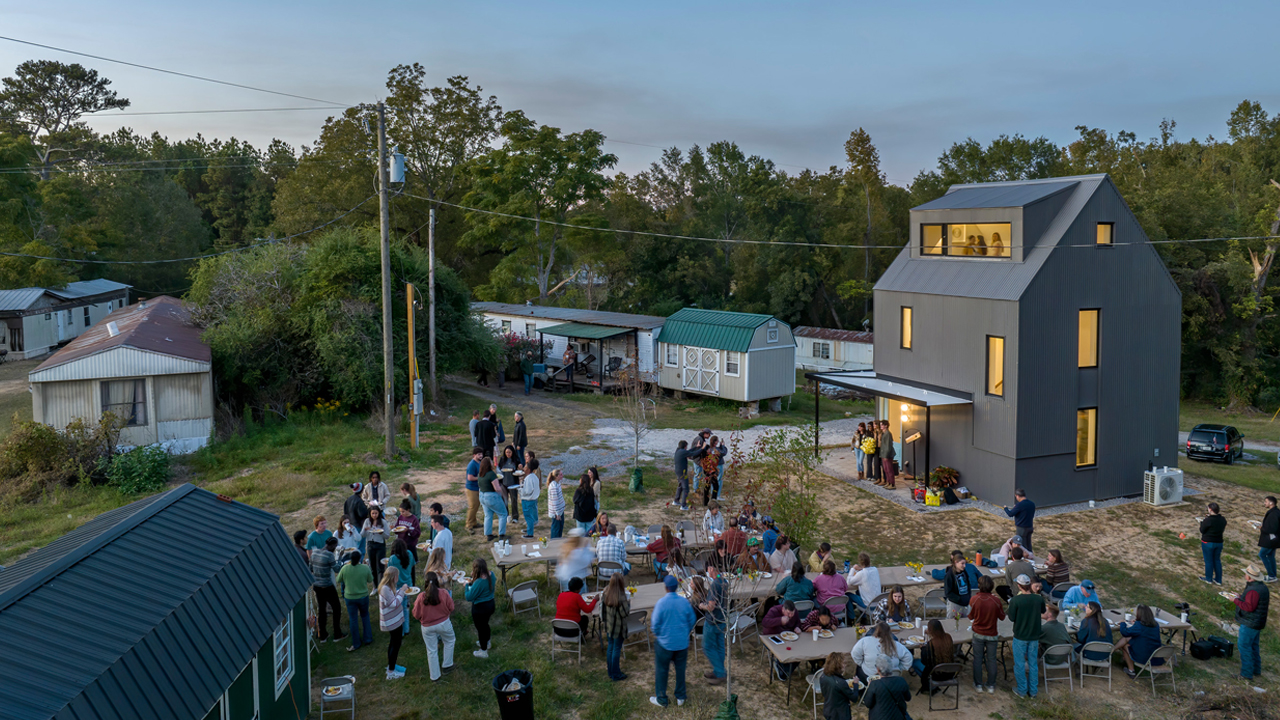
(1162,486)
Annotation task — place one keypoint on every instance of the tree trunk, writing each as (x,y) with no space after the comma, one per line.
(1262,264)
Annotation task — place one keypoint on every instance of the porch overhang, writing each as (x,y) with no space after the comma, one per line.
(896,389)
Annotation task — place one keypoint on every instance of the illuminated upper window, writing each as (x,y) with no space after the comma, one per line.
(976,240)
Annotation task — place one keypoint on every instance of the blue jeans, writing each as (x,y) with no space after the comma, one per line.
(585,527)
(720,483)
(493,505)
(529,508)
(1250,660)
(613,658)
(528,384)
(557,527)
(713,646)
(1026,669)
(662,661)
(1268,557)
(359,607)
(1212,561)
(860,457)
(697,476)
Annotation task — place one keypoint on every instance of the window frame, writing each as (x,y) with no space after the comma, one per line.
(668,349)
(737,363)
(821,350)
(505,326)
(771,335)
(86,316)
(989,391)
(906,327)
(944,249)
(1111,236)
(530,329)
(105,406)
(1097,337)
(282,682)
(1093,435)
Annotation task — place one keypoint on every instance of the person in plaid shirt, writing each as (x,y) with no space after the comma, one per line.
(555,503)
(611,548)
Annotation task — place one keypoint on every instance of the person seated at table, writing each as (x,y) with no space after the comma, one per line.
(661,548)
(781,618)
(571,606)
(796,587)
(1016,566)
(748,517)
(985,613)
(782,557)
(820,618)
(768,536)
(1139,639)
(1080,595)
(838,695)
(887,697)
(1093,628)
(1056,571)
(863,581)
(1013,542)
(830,584)
(1053,632)
(938,649)
(877,646)
(1041,588)
(893,607)
(600,526)
(735,540)
(753,558)
(576,557)
(817,557)
(611,548)
(712,520)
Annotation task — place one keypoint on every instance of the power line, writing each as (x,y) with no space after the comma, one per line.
(269,241)
(104,113)
(174,72)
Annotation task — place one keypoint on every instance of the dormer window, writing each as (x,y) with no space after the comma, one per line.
(972,240)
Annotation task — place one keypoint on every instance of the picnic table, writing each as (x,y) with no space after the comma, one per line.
(1170,624)
(906,577)
(532,552)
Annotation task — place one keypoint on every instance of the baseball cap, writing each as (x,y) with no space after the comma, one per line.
(357,486)
(1022,579)
(767,518)
(1087,584)
(671,583)
(1016,539)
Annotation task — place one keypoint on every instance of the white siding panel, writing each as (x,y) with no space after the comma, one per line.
(38,335)
(120,362)
(181,397)
(184,436)
(65,401)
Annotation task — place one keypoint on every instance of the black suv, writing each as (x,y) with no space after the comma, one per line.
(1222,443)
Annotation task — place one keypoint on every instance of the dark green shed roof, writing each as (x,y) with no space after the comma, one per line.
(584,331)
(717,329)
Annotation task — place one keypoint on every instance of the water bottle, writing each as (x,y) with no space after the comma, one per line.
(846,567)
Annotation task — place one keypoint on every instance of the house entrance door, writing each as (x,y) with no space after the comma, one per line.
(701,371)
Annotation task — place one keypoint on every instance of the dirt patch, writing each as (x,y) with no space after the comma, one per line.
(436,485)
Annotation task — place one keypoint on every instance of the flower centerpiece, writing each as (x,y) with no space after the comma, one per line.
(916,567)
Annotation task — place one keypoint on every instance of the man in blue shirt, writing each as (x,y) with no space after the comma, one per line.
(770,535)
(473,490)
(672,622)
(1023,513)
(1081,595)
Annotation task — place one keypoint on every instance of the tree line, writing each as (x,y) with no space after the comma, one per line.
(771,241)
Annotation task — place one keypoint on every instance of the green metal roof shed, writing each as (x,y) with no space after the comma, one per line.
(718,329)
(737,356)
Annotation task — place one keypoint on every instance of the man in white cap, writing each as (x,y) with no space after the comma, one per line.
(1252,605)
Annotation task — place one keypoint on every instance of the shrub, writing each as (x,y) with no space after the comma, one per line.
(143,469)
(31,448)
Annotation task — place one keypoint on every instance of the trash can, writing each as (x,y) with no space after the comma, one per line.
(637,480)
(514,704)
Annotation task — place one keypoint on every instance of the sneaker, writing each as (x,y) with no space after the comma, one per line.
(400,669)
(1218,583)
(1270,579)
(1132,675)
(991,689)
(654,701)
(1206,581)
(481,653)
(977,688)
(679,702)
(446,671)
(1019,694)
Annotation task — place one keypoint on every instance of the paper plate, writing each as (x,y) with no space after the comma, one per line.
(412,591)
(789,636)
(917,639)
(331,691)
(906,626)
(424,546)
(826,634)
(766,575)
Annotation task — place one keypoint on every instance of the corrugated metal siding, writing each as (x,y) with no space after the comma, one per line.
(771,373)
(716,329)
(65,401)
(182,397)
(593,317)
(39,335)
(176,639)
(11,300)
(760,339)
(183,429)
(120,362)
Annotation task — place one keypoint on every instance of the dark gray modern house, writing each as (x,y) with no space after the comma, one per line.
(1031,335)
(184,605)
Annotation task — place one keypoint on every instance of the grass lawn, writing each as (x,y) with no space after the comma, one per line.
(714,412)
(1255,426)
(1260,474)
(15,398)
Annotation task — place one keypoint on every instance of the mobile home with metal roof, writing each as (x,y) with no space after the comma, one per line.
(34,321)
(744,357)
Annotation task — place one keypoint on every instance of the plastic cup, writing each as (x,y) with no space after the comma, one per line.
(524,549)
(815,634)
(1128,617)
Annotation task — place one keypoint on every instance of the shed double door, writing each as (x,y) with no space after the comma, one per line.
(701,370)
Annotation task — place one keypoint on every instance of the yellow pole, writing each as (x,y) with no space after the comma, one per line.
(413,367)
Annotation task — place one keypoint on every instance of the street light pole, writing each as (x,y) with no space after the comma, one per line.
(384,212)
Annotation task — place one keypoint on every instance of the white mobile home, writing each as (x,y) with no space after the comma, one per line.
(34,321)
(737,356)
(146,365)
(829,349)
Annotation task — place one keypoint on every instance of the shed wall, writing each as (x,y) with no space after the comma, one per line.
(770,373)
(39,335)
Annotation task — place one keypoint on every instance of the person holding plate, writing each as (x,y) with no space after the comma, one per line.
(392,618)
(479,592)
(938,649)
(886,696)
(409,529)
(838,694)
(405,564)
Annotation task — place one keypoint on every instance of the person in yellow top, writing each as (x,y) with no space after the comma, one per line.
(819,556)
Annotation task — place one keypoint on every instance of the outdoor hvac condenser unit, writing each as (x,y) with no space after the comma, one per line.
(1162,486)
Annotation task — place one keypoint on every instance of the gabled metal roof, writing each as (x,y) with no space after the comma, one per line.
(20,299)
(586,332)
(821,333)
(85,288)
(590,317)
(717,329)
(92,627)
(995,195)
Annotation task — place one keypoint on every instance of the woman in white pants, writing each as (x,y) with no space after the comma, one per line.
(433,608)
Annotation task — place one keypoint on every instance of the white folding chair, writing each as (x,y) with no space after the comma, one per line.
(603,579)
(695,637)
(557,639)
(689,527)
(1165,653)
(1059,591)
(742,623)
(1057,657)
(813,680)
(636,624)
(653,532)
(804,607)
(343,701)
(525,592)
(934,599)
(839,608)
(1101,667)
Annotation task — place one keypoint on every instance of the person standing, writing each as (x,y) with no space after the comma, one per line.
(432,610)
(354,508)
(1023,513)
(479,592)
(322,565)
(887,454)
(520,436)
(856,443)
(886,698)
(356,581)
(555,503)
(699,446)
(721,451)
(1269,538)
(475,420)
(681,459)
(376,492)
(672,622)
(508,464)
(985,613)
(570,362)
(616,607)
(958,584)
(317,537)
(530,489)
(870,453)
(584,503)
(1252,605)
(838,694)
(391,618)
(526,369)
(713,628)
(491,500)
(1211,528)
(500,435)
(487,435)
(1025,610)
(412,531)
(375,533)
(473,489)
(443,538)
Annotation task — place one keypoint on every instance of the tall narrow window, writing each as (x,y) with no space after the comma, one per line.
(86,316)
(506,326)
(1088,352)
(732,363)
(530,329)
(1086,437)
(995,365)
(283,651)
(906,328)
(1106,233)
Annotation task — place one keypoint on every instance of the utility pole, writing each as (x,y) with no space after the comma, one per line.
(431,305)
(415,385)
(384,212)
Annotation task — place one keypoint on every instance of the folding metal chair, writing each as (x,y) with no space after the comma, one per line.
(695,636)
(742,624)
(345,697)
(839,608)
(525,592)
(1166,653)
(689,527)
(933,600)
(636,624)
(1059,591)
(1098,665)
(804,607)
(813,680)
(606,565)
(951,669)
(557,639)
(1057,657)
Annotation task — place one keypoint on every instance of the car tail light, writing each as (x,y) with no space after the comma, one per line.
(1188,444)
(1227,448)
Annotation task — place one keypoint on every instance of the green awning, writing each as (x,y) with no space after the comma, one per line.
(586,332)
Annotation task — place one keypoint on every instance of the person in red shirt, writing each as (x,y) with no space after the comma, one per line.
(985,611)
(735,540)
(661,547)
(571,606)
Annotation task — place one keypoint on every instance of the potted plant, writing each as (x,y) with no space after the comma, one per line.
(944,477)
